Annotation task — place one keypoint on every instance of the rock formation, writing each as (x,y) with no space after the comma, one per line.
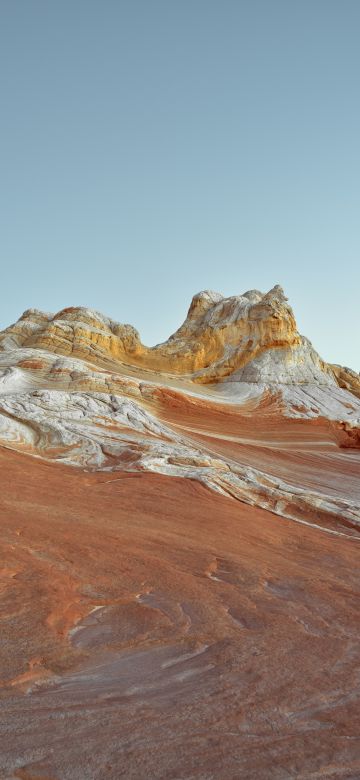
(220,337)
(144,581)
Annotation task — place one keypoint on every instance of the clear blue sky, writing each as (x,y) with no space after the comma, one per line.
(154,148)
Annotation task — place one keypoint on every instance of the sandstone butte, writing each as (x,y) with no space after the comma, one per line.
(180,531)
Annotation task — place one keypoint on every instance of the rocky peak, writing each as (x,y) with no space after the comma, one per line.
(250,338)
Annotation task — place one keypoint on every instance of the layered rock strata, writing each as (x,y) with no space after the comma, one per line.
(180,541)
(81,389)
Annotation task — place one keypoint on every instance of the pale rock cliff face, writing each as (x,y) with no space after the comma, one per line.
(347,379)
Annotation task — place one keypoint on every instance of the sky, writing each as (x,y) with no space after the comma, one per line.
(150,149)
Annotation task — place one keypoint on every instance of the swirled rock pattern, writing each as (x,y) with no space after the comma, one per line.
(181,526)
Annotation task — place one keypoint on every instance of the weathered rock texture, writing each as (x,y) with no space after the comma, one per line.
(254,335)
(147,597)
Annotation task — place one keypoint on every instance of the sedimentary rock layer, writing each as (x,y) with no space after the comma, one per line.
(235,398)
(250,337)
(154,628)
(180,541)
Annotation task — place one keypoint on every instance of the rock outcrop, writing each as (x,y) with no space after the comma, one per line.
(250,337)
(79,388)
(347,379)
(179,548)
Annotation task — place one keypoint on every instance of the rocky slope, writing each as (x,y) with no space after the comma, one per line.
(135,484)
(79,388)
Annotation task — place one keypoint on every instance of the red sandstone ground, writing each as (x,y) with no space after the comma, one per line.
(224,645)
(312,453)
